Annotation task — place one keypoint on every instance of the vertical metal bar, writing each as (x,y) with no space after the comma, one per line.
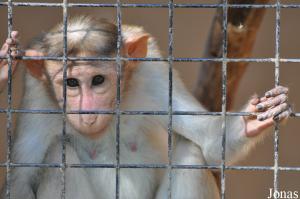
(118,114)
(170,103)
(277,65)
(9,101)
(64,115)
(224,93)
(63,166)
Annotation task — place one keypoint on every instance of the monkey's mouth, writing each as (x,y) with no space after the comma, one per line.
(89,123)
(88,120)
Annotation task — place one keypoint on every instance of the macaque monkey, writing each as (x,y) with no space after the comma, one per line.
(91,138)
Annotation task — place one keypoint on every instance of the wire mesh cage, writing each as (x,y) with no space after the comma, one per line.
(276,60)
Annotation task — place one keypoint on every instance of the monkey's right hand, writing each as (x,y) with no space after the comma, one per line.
(10,43)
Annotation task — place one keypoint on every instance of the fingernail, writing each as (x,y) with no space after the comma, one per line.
(14,33)
(259,107)
(260,118)
(254,100)
(276,118)
(8,41)
(268,94)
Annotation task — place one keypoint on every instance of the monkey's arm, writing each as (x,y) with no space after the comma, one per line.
(34,135)
(78,185)
(154,80)
(203,130)
(11,43)
(241,132)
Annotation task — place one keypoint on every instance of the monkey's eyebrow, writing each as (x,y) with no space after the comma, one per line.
(62,68)
(55,74)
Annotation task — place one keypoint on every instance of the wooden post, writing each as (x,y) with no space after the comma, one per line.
(243,25)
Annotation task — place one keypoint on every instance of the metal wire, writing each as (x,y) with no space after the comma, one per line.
(155,59)
(170,101)
(149,5)
(9,101)
(112,112)
(150,166)
(118,113)
(64,114)
(224,94)
(118,103)
(276,71)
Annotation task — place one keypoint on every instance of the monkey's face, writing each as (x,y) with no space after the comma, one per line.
(89,88)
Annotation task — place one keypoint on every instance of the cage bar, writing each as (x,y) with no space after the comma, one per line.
(224,94)
(170,101)
(276,76)
(9,101)
(150,5)
(118,115)
(64,114)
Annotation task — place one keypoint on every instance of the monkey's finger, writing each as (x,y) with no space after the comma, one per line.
(283,115)
(10,41)
(13,45)
(4,49)
(14,53)
(10,44)
(263,99)
(273,101)
(14,39)
(254,100)
(256,107)
(273,112)
(14,35)
(17,52)
(276,91)
(3,53)
(3,62)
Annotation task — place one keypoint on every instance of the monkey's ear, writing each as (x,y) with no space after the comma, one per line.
(137,47)
(35,67)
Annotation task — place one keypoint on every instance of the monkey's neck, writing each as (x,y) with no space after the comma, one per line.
(91,148)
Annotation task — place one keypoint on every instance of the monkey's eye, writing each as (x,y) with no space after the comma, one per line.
(72,82)
(97,80)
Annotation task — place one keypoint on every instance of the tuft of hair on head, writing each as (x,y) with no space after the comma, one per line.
(85,34)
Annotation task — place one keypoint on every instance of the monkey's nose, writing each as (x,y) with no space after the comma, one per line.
(89,119)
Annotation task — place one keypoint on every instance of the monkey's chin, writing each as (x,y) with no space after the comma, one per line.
(93,135)
(91,131)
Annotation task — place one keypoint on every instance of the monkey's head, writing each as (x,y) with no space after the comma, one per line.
(91,85)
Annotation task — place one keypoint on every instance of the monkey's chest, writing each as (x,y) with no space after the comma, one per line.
(133,183)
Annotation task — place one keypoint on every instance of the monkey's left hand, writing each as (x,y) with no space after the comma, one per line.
(269,109)
(10,43)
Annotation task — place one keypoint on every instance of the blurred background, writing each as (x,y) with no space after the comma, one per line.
(191,28)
